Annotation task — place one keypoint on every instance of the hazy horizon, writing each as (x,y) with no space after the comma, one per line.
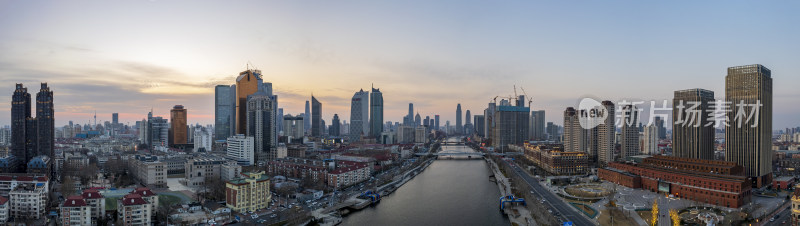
(129,57)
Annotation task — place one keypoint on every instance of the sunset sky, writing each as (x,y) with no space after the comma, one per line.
(131,56)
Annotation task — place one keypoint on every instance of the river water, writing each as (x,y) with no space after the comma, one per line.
(448,192)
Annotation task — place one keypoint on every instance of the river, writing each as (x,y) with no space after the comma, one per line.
(448,192)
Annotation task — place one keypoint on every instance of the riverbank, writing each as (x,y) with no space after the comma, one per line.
(383,190)
(517,214)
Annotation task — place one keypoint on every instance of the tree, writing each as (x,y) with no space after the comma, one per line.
(214,188)
(68,186)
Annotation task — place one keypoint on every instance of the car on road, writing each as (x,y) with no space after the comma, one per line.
(772,219)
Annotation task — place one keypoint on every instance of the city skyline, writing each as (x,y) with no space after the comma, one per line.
(142,72)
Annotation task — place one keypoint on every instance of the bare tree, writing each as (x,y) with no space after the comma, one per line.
(67,186)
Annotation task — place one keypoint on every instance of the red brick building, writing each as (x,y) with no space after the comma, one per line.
(620,177)
(715,182)
(553,159)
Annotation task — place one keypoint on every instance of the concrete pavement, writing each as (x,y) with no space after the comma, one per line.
(555,203)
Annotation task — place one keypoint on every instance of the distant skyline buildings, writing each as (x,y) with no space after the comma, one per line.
(359,115)
(376,113)
(459,128)
(317,127)
(178,130)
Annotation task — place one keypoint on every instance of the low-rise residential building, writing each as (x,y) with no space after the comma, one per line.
(345,173)
(249,192)
(300,168)
(4,206)
(133,210)
(75,211)
(148,195)
(553,159)
(349,174)
(96,203)
(28,201)
(9,181)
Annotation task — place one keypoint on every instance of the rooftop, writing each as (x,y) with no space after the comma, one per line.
(133,199)
(74,201)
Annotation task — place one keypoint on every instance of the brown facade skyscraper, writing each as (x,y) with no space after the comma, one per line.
(692,136)
(246,84)
(749,143)
(178,133)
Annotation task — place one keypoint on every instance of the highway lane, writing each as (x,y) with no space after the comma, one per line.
(552,200)
(784,217)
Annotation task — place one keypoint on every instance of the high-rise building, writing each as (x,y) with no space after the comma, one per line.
(240,149)
(662,130)
(115,126)
(279,120)
(202,139)
(247,84)
(436,122)
(606,133)
(537,126)
(20,112)
(317,129)
(45,120)
(692,135)
(178,133)
(157,131)
(293,126)
(5,136)
(376,113)
(468,128)
(275,118)
(552,132)
(748,142)
(511,126)
(224,111)
(521,101)
(417,120)
(576,138)
(336,126)
(479,125)
(629,139)
(650,141)
(359,115)
(459,129)
(260,126)
(307,119)
(409,119)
